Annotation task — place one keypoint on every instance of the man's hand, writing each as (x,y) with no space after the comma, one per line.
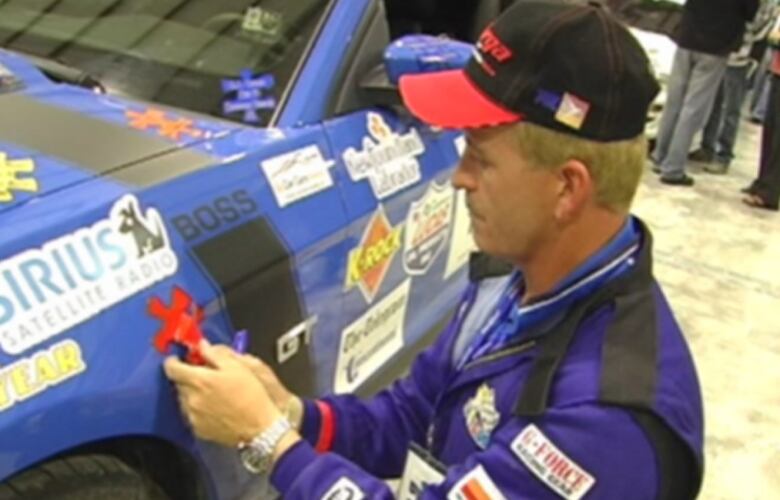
(224,401)
(276,390)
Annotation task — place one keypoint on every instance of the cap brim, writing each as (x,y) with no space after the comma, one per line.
(449,99)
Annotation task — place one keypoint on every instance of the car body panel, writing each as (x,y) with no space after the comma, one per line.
(269,230)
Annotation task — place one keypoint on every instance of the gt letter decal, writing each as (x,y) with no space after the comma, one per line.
(45,291)
(550,465)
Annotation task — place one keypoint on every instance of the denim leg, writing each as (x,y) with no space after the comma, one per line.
(709,139)
(734,91)
(705,78)
(675,92)
(759,80)
(759,110)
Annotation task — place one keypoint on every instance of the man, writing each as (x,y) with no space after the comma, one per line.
(569,377)
(708,32)
(764,192)
(720,132)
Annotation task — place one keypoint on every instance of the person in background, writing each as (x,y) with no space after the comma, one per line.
(709,31)
(720,133)
(765,190)
(567,378)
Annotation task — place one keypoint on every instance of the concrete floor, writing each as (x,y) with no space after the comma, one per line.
(719,263)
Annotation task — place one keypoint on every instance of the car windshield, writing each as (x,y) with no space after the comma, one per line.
(659,16)
(227,58)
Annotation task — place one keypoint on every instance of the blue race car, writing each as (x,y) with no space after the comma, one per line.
(223,163)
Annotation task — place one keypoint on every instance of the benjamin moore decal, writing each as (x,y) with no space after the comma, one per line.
(368,263)
(372,340)
(388,160)
(427,228)
(48,290)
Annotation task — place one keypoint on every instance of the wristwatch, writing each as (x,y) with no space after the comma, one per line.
(257,454)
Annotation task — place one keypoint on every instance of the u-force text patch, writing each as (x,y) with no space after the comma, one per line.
(551,465)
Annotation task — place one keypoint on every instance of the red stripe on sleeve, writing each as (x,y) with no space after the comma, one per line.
(327,429)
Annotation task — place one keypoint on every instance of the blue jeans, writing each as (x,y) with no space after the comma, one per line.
(720,133)
(692,87)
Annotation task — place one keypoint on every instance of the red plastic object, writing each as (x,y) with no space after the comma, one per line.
(181,325)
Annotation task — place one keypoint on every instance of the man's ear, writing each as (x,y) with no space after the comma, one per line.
(576,188)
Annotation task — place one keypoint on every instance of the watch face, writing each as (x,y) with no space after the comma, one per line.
(253,460)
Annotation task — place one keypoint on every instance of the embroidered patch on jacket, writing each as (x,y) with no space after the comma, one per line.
(476,485)
(343,489)
(551,465)
(481,415)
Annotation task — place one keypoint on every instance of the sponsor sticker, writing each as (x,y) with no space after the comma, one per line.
(551,465)
(372,339)
(388,160)
(427,228)
(48,290)
(343,489)
(476,485)
(298,174)
(15,176)
(265,22)
(247,95)
(33,375)
(168,127)
(462,242)
(368,264)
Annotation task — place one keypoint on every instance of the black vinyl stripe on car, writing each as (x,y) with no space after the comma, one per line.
(99,146)
(255,273)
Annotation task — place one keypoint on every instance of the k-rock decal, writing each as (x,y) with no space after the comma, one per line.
(45,291)
(369,262)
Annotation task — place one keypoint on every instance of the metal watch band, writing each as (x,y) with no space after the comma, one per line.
(267,440)
(257,455)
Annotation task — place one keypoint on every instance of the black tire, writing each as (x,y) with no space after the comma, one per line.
(84,477)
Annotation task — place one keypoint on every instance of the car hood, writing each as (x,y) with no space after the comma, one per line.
(660,50)
(55,135)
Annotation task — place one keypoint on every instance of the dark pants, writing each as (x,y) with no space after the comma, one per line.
(720,133)
(767,186)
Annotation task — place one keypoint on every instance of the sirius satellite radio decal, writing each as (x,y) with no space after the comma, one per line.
(48,290)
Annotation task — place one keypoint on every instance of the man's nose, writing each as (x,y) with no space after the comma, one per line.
(462,177)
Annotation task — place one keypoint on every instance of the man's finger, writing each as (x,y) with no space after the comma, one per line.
(181,373)
(216,356)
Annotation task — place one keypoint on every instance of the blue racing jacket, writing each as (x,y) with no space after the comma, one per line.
(599,402)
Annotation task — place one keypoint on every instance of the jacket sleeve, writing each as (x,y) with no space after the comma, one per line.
(376,433)
(588,451)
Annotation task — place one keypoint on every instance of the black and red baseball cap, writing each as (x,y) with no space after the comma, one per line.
(569,66)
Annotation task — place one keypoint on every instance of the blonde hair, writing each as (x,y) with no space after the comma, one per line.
(616,167)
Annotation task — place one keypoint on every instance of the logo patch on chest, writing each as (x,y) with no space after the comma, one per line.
(481,415)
